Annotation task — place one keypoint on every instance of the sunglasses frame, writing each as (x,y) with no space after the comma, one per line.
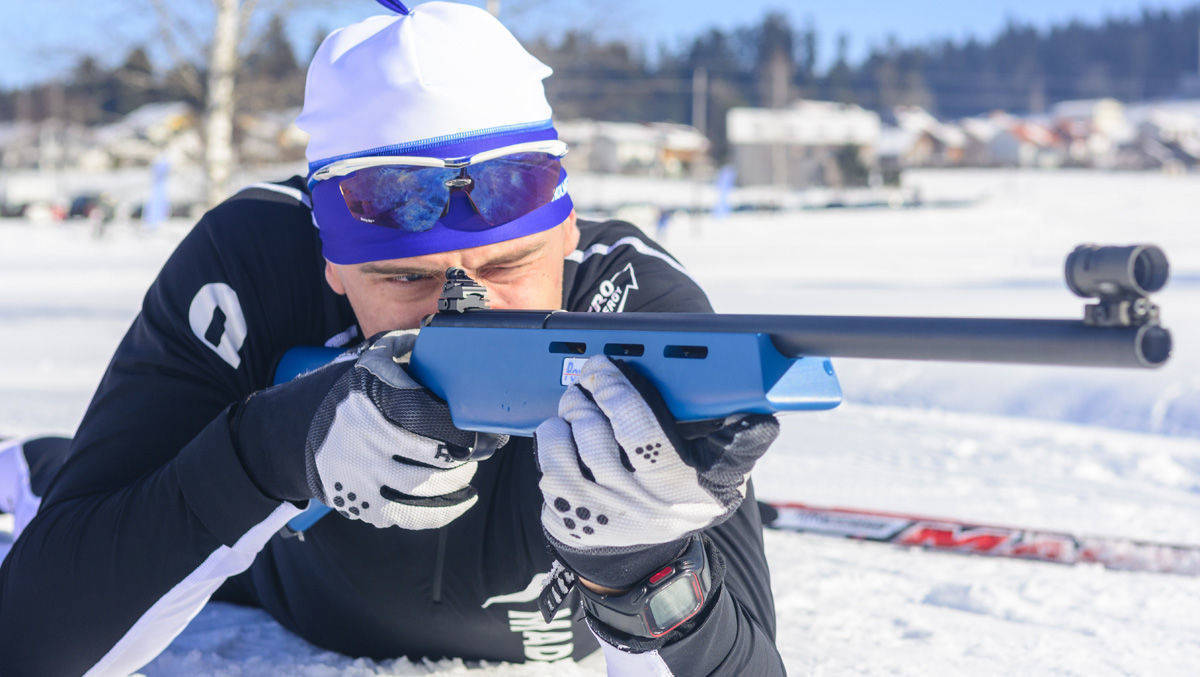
(341,168)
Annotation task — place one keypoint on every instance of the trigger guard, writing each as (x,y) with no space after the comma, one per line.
(482,449)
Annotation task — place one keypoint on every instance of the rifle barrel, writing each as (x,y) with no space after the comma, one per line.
(1021,341)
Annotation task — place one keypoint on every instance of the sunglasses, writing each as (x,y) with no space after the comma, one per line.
(412,193)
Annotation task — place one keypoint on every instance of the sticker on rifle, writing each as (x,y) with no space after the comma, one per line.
(571,368)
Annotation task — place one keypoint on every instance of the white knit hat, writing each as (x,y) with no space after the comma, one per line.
(421,82)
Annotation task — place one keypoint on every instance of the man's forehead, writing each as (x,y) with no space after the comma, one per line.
(475,257)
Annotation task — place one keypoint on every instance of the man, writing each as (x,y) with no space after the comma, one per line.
(431,147)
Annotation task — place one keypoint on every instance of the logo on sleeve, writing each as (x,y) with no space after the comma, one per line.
(217,320)
(544,640)
(529,594)
(613,293)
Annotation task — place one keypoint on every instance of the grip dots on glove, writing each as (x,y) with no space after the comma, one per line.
(649,451)
(346,504)
(582,513)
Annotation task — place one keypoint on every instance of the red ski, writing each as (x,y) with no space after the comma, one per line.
(982,539)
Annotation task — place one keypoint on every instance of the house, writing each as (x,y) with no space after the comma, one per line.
(18,144)
(892,152)
(270,136)
(1092,130)
(1026,143)
(683,149)
(654,149)
(980,133)
(1167,137)
(148,132)
(1102,116)
(807,143)
(935,143)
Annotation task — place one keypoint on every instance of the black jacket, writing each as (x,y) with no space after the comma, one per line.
(153,512)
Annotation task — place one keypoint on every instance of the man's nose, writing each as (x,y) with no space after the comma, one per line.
(496,300)
(499,303)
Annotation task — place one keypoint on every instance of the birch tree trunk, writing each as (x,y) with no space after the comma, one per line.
(218,119)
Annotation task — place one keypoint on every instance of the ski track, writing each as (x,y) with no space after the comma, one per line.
(1109,452)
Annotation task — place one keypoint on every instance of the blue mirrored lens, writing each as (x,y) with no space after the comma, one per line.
(510,187)
(407,198)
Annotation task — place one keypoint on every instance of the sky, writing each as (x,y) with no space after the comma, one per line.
(45,38)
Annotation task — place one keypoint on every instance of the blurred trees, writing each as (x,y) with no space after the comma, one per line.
(1022,69)
(767,63)
(269,78)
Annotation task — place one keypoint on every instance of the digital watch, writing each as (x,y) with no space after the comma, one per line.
(661,602)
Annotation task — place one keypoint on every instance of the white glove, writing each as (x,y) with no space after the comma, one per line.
(621,487)
(380,446)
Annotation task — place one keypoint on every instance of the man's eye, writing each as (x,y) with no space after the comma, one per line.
(502,271)
(410,278)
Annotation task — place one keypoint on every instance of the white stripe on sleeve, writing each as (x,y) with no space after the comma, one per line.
(623,663)
(294,193)
(581,255)
(168,616)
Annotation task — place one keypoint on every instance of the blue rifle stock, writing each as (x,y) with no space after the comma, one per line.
(506,374)
(503,371)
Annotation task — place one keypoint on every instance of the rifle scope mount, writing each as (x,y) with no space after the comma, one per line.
(1122,279)
(460,293)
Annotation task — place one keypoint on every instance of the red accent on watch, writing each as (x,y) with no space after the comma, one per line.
(662,573)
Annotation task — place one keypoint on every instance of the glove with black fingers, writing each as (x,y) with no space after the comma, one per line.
(623,488)
(381,448)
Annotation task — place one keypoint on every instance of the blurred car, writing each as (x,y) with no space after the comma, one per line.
(90,206)
(12,210)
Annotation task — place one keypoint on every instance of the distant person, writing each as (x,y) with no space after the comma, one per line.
(187,464)
(158,207)
(664,221)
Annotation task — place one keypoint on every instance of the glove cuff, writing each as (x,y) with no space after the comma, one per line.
(271,427)
(617,567)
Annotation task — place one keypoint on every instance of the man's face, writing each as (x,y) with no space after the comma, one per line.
(398,293)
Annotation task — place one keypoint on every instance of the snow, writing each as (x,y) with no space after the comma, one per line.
(1102,451)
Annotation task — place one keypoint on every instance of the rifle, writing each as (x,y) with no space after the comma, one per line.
(503,371)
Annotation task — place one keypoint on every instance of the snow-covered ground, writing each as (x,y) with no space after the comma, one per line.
(1095,451)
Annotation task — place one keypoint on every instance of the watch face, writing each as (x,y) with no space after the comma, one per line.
(674,603)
